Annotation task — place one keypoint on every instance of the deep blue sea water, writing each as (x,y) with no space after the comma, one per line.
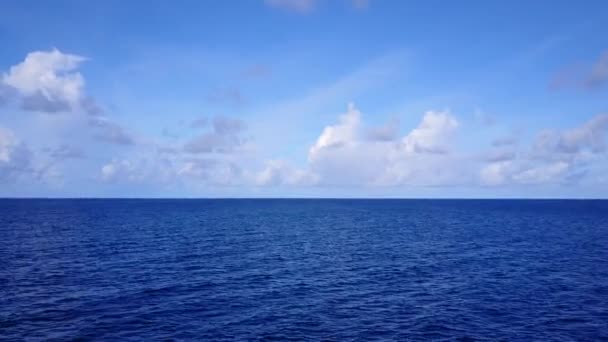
(335,270)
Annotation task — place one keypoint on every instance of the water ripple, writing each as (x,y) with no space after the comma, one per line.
(283,270)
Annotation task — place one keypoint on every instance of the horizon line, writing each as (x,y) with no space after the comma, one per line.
(311,198)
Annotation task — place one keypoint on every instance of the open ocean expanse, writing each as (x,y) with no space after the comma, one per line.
(335,270)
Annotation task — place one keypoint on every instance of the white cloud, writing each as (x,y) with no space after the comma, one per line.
(279,172)
(47,81)
(15,157)
(65,152)
(599,72)
(142,170)
(586,76)
(432,135)
(224,137)
(228,95)
(343,134)
(110,132)
(587,138)
(299,6)
(554,157)
(496,173)
(221,172)
(360,4)
(543,173)
(307,6)
(388,132)
(343,156)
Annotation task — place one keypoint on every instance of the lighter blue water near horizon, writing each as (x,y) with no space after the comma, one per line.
(334,270)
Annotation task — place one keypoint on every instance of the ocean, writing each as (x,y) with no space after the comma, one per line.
(278,270)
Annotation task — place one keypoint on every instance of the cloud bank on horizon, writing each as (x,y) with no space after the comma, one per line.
(303,113)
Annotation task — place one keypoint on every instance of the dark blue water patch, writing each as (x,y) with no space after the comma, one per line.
(335,270)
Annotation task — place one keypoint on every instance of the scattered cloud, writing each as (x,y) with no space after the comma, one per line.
(280,172)
(554,157)
(15,157)
(587,138)
(347,154)
(110,132)
(64,152)
(499,155)
(143,170)
(224,137)
(599,72)
(584,76)
(212,171)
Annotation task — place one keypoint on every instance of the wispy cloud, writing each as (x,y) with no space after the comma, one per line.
(224,137)
(257,71)
(298,6)
(110,132)
(307,6)
(228,95)
(583,75)
(599,72)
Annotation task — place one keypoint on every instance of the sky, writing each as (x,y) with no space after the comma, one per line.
(304,98)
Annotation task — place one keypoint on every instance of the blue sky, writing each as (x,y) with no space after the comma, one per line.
(303,98)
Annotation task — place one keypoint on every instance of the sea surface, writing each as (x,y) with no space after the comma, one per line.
(278,270)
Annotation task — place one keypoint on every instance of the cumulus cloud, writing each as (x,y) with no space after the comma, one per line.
(6,93)
(388,132)
(432,135)
(343,155)
(224,137)
(48,81)
(349,153)
(344,133)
